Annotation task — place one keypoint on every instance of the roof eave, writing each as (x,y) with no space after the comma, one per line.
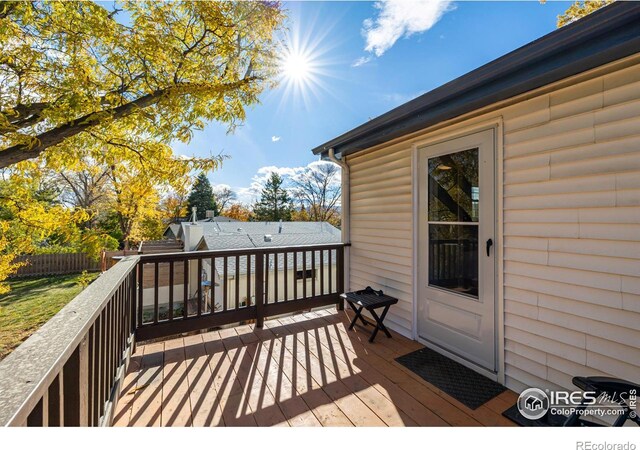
(604,36)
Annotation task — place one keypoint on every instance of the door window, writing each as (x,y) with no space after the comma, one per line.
(453,218)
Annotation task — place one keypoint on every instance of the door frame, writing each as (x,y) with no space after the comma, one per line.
(436,137)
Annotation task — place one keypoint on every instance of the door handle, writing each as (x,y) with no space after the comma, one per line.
(489,244)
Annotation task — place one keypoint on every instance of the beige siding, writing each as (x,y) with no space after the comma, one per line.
(381,229)
(572,231)
(571,219)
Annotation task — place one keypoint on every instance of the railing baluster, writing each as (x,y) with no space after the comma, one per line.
(260,297)
(295,275)
(237,280)
(39,416)
(322,272)
(121,317)
(266,278)
(105,357)
(199,287)
(212,287)
(107,352)
(156,299)
(134,281)
(313,273)
(340,275)
(185,303)
(330,271)
(75,386)
(248,280)
(225,283)
(276,278)
(92,370)
(116,329)
(140,292)
(114,336)
(55,402)
(171,270)
(286,276)
(101,369)
(304,274)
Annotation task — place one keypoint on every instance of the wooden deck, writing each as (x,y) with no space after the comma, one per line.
(304,370)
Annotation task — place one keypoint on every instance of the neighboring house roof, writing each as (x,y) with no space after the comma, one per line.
(219,219)
(273,228)
(602,37)
(172,231)
(280,234)
(231,263)
(161,246)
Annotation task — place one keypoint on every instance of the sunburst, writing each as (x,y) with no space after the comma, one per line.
(303,64)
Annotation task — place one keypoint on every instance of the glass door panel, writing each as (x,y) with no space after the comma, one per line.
(453,218)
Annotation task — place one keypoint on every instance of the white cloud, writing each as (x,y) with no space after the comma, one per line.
(275,138)
(361,61)
(251,193)
(399,18)
(220,186)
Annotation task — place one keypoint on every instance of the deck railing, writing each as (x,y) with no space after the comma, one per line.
(70,371)
(189,291)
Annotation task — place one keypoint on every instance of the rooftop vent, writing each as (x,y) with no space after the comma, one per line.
(267,238)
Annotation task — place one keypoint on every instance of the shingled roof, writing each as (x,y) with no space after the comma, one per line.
(239,235)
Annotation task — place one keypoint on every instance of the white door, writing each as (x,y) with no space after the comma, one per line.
(456,236)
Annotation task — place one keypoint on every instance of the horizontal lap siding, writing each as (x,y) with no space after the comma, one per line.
(381,229)
(572,233)
(571,218)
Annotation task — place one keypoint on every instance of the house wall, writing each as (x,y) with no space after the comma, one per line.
(571,220)
(381,228)
(178,289)
(231,286)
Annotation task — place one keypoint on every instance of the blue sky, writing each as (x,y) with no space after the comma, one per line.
(341,93)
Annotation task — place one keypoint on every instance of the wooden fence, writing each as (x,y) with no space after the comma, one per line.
(107,260)
(55,264)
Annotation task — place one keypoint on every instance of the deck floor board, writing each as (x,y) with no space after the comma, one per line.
(301,370)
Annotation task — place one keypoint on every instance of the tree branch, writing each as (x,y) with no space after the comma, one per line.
(22,152)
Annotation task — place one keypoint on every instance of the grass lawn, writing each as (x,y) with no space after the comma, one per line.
(30,303)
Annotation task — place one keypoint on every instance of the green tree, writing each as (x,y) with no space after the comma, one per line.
(275,203)
(580,9)
(157,70)
(201,197)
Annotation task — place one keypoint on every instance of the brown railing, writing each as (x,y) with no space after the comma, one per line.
(70,371)
(190,291)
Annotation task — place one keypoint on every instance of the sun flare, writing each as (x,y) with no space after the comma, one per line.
(304,63)
(296,66)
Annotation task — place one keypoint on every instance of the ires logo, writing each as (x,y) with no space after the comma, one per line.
(534,403)
(565,398)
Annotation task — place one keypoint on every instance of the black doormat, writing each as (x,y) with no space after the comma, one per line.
(465,385)
(549,420)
